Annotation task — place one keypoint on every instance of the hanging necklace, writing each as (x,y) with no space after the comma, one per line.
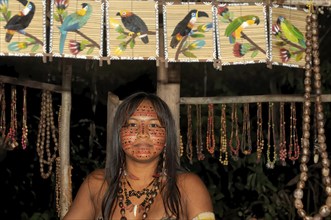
(294,142)
(3,114)
(223,141)
(189,146)
(234,133)
(246,140)
(210,138)
(199,143)
(46,130)
(312,48)
(282,136)
(125,203)
(24,139)
(12,142)
(271,131)
(259,133)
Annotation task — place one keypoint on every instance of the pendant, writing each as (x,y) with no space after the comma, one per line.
(135,207)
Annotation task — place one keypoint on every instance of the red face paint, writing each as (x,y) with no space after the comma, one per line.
(143,136)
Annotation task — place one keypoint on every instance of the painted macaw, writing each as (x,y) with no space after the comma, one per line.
(234,29)
(19,22)
(134,24)
(184,27)
(73,22)
(290,32)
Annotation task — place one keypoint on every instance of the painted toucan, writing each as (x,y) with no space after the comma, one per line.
(134,24)
(73,22)
(234,29)
(290,32)
(184,27)
(19,22)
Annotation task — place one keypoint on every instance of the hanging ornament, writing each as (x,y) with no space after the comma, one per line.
(210,137)
(189,145)
(246,140)
(282,135)
(259,133)
(3,114)
(294,148)
(11,136)
(223,141)
(24,139)
(46,132)
(199,143)
(313,68)
(271,141)
(234,133)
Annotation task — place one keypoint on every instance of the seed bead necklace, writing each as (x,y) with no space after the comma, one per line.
(312,58)
(210,137)
(223,141)
(282,136)
(234,136)
(125,203)
(259,133)
(246,140)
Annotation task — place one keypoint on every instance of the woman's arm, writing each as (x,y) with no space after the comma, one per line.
(83,206)
(195,197)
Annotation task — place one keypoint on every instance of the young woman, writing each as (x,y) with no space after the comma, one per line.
(144,179)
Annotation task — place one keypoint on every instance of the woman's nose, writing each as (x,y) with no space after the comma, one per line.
(143,130)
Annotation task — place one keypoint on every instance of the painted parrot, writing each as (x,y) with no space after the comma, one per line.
(134,24)
(19,22)
(184,27)
(73,22)
(234,29)
(290,32)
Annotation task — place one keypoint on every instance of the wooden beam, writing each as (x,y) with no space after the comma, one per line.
(248,99)
(31,84)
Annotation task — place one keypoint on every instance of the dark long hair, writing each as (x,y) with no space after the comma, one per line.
(170,192)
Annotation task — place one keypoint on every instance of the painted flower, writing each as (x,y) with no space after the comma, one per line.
(17,46)
(74,47)
(285,55)
(221,10)
(61,4)
(239,50)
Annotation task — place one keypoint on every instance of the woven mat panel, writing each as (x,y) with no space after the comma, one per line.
(242,34)
(288,31)
(199,44)
(22,28)
(84,22)
(132,30)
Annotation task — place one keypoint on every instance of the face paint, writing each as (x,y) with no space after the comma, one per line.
(143,136)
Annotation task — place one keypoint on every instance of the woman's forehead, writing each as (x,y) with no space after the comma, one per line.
(145,108)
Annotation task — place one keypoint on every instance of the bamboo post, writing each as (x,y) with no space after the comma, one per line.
(66,191)
(112,104)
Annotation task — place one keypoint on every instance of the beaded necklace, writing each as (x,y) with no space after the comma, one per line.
(125,203)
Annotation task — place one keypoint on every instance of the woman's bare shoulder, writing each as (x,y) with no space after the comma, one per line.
(96,179)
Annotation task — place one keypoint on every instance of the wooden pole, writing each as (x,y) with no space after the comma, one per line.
(112,104)
(249,99)
(66,191)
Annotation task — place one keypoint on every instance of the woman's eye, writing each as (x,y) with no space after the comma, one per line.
(154,126)
(131,125)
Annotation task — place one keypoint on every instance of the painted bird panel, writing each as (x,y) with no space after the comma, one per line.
(189,31)
(288,36)
(21,30)
(132,28)
(77,29)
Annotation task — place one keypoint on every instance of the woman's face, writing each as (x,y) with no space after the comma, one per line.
(143,137)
